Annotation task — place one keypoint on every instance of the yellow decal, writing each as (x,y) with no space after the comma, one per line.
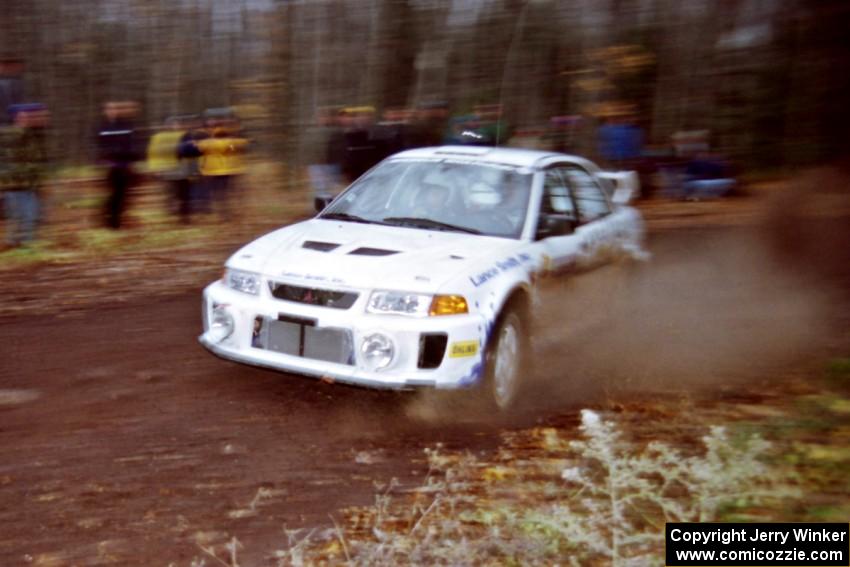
(463,348)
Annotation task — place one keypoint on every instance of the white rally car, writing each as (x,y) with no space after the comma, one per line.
(423,272)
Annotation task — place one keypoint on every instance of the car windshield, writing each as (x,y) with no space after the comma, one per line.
(439,195)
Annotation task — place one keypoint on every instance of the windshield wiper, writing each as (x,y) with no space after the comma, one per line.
(349,217)
(429,223)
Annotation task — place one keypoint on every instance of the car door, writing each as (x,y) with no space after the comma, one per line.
(557,220)
(597,233)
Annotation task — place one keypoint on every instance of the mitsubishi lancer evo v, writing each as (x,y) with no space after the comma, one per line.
(424,272)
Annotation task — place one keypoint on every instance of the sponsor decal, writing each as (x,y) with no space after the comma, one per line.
(473,377)
(463,348)
(482,278)
(500,267)
(298,276)
(477,370)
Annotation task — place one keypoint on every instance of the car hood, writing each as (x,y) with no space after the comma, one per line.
(368,256)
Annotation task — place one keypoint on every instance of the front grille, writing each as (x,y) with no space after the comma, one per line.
(313,296)
(298,336)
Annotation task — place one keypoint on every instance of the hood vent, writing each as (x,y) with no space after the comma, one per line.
(365,251)
(320,246)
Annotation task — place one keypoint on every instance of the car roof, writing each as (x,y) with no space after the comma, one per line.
(506,156)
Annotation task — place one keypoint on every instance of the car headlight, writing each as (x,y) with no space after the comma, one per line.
(415,304)
(399,303)
(246,282)
(377,351)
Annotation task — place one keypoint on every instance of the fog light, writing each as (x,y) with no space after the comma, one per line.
(221,323)
(377,351)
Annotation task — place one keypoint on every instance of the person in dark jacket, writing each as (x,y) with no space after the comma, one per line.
(11,86)
(429,127)
(359,153)
(118,148)
(392,134)
(24,155)
(192,187)
(323,150)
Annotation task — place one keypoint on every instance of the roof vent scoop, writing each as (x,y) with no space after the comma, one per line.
(366,251)
(320,246)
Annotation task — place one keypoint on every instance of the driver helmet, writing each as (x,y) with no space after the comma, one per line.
(482,195)
(486,192)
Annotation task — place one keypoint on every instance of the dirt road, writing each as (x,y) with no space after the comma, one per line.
(124,442)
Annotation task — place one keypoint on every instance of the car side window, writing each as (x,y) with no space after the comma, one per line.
(589,196)
(558,215)
(556,196)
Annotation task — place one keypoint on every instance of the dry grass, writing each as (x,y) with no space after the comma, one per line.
(601,495)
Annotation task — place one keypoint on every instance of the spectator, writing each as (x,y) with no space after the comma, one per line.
(190,182)
(222,159)
(164,162)
(707,177)
(359,153)
(564,133)
(11,85)
(335,148)
(25,156)
(620,142)
(324,164)
(392,134)
(118,149)
(429,128)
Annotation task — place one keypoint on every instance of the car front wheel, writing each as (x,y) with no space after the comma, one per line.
(506,359)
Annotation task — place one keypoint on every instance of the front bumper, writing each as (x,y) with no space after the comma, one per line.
(459,367)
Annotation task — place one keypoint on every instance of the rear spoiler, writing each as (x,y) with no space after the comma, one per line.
(624,185)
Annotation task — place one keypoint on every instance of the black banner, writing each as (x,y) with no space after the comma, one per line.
(762,544)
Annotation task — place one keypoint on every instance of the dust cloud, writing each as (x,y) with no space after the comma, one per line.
(713,309)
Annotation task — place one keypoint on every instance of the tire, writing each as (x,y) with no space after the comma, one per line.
(506,361)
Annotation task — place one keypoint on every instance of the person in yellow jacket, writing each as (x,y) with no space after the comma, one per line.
(222,159)
(164,163)
(162,151)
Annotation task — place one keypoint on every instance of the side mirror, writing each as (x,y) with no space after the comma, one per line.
(320,203)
